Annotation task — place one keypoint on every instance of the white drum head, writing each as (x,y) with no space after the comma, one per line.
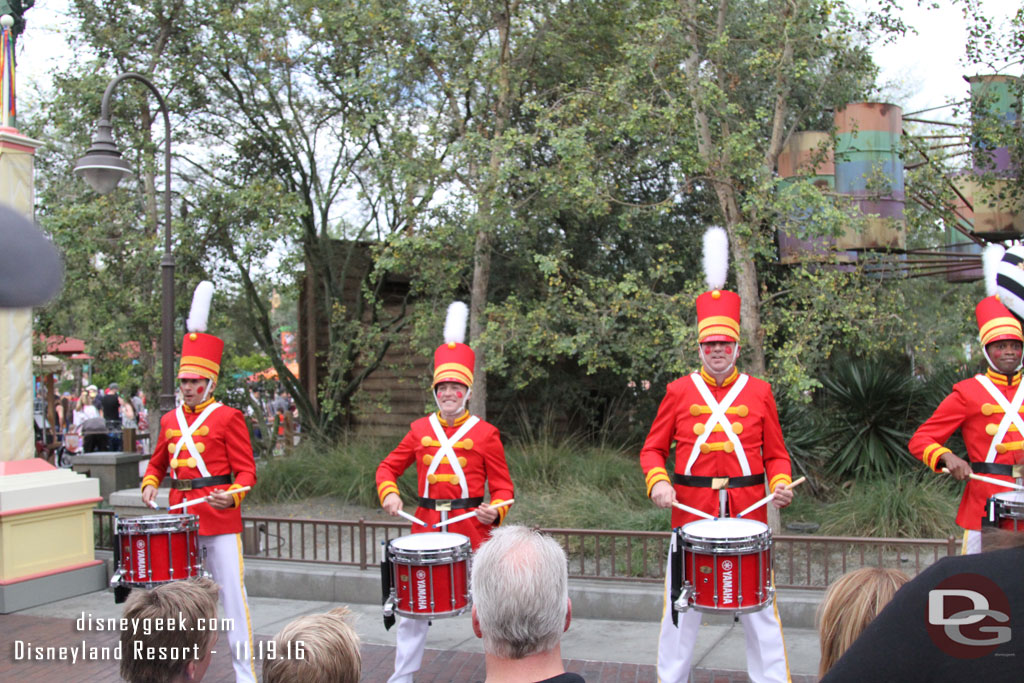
(431,540)
(1012,498)
(729,527)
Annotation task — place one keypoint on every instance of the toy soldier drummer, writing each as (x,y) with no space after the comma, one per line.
(205,446)
(987,411)
(455,454)
(728,444)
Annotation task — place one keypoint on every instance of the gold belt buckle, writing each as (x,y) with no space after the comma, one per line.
(719,483)
(1017,471)
(184,484)
(443,505)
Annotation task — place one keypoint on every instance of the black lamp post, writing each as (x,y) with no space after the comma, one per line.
(102,167)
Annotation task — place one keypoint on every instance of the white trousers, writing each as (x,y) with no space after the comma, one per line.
(972,542)
(766,651)
(224,561)
(410,639)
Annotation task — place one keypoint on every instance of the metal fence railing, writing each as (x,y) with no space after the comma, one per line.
(800,561)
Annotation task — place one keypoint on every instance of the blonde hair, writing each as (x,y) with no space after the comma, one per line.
(851,603)
(193,602)
(316,648)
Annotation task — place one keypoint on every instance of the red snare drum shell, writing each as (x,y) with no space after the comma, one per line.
(157,549)
(727,563)
(430,574)
(1006,510)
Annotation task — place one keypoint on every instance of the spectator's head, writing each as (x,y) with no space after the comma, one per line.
(850,604)
(316,648)
(520,593)
(192,602)
(112,388)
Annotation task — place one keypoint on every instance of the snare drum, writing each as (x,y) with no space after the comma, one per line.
(1006,511)
(430,575)
(157,549)
(726,566)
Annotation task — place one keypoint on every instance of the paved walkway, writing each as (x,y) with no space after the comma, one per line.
(601,651)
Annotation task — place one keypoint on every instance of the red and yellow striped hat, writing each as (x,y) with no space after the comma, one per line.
(718,316)
(453,362)
(200,356)
(995,322)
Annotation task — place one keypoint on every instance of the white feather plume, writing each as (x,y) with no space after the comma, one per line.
(199,314)
(455,323)
(990,259)
(716,257)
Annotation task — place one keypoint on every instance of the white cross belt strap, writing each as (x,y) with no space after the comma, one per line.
(186,437)
(446,452)
(719,417)
(1011,413)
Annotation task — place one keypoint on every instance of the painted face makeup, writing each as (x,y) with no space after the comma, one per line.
(458,394)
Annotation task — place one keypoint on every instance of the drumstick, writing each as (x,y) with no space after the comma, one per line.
(470,514)
(153,505)
(205,498)
(770,497)
(411,518)
(990,480)
(692,511)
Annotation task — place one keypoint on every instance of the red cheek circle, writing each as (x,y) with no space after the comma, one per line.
(458,394)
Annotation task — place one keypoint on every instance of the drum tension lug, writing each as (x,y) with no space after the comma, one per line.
(682,603)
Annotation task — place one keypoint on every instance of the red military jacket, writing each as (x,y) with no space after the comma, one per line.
(682,418)
(222,441)
(972,409)
(481,457)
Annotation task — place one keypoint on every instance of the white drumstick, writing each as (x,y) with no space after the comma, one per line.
(990,480)
(770,497)
(153,505)
(205,498)
(411,518)
(692,511)
(471,514)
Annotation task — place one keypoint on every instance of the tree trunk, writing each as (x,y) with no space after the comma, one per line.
(477,304)
(485,228)
(717,163)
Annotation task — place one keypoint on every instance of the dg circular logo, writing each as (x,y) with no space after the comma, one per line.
(140,544)
(968,616)
(421,574)
(726,565)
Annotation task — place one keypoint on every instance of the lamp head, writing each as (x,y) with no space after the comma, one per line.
(102,166)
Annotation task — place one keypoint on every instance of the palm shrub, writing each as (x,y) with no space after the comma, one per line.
(870,419)
(805,434)
(918,504)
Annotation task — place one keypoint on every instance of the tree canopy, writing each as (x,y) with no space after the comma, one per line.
(554,163)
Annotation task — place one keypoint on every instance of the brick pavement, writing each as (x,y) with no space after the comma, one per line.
(439,666)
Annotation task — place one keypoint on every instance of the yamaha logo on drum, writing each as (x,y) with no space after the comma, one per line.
(140,557)
(421,590)
(727,583)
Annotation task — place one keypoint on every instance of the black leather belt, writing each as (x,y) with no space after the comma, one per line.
(997,468)
(709,482)
(189,484)
(452,503)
